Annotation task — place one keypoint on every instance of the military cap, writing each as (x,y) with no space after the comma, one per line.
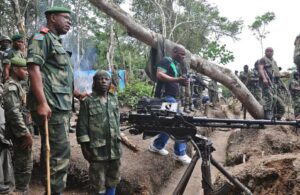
(18,62)
(16,37)
(102,73)
(4,37)
(57,9)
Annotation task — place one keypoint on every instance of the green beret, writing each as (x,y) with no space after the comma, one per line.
(57,9)
(18,62)
(16,37)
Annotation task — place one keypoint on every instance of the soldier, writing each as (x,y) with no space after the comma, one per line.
(213,92)
(51,92)
(253,85)
(5,43)
(100,144)
(244,75)
(297,52)
(199,86)
(16,51)
(294,87)
(269,77)
(18,123)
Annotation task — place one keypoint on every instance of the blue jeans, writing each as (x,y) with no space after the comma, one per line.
(162,139)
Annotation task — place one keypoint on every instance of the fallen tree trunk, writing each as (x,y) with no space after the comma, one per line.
(218,73)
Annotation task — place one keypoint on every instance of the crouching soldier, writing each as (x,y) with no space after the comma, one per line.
(99,135)
(18,123)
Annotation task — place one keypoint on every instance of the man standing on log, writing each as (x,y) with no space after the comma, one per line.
(51,92)
(98,132)
(269,76)
(168,80)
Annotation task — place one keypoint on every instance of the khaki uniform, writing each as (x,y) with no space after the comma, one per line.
(98,124)
(45,49)
(18,123)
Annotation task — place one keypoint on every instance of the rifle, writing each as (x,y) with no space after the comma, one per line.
(151,120)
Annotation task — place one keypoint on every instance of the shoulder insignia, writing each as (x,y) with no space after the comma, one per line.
(38,36)
(44,30)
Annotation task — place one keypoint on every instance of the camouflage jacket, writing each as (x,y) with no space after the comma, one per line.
(12,53)
(13,104)
(45,49)
(99,125)
(293,85)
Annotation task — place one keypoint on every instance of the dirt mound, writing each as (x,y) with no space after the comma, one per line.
(277,174)
(246,143)
(142,173)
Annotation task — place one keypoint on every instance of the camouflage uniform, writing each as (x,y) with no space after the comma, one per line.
(19,124)
(294,87)
(213,92)
(98,124)
(45,49)
(270,94)
(6,60)
(254,86)
(297,52)
(199,87)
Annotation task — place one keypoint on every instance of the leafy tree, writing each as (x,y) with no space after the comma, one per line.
(258,27)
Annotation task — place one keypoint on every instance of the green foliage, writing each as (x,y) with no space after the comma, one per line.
(258,27)
(217,52)
(226,92)
(134,92)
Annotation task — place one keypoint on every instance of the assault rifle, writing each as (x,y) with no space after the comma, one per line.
(153,117)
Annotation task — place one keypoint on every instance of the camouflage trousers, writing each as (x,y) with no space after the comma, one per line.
(272,102)
(256,92)
(23,164)
(58,126)
(185,95)
(104,174)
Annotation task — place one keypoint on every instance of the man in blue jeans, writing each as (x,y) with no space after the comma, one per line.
(168,80)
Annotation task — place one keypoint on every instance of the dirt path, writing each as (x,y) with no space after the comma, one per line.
(219,139)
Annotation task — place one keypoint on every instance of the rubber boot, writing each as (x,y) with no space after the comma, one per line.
(268,115)
(110,191)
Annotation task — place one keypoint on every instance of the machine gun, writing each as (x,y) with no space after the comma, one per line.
(154,116)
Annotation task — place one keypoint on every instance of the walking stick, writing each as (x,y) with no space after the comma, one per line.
(47,156)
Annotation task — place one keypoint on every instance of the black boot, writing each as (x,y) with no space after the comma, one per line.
(185,109)
(4,188)
(268,114)
(191,109)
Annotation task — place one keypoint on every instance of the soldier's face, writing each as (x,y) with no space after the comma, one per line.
(102,83)
(269,52)
(20,44)
(63,23)
(21,73)
(5,44)
(179,55)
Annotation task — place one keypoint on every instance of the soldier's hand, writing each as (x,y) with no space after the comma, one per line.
(26,141)
(183,81)
(265,81)
(86,152)
(44,110)
(79,95)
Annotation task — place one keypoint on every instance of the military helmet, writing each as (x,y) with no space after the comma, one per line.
(4,37)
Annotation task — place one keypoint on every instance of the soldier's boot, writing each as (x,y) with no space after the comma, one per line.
(4,188)
(268,114)
(185,109)
(191,108)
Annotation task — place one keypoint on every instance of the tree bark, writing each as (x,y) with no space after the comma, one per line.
(19,17)
(212,70)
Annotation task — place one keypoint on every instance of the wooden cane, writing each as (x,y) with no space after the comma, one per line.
(47,156)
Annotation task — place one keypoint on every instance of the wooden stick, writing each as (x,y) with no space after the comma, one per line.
(47,157)
(128,144)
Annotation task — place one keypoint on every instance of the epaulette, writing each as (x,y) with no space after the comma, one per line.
(44,30)
(40,36)
(12,86)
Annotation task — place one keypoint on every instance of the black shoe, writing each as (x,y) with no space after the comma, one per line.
(4,188)
(191,109)
(268,115)
(72,130)
(186,110)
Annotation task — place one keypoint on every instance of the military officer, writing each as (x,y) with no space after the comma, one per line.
(51,91)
